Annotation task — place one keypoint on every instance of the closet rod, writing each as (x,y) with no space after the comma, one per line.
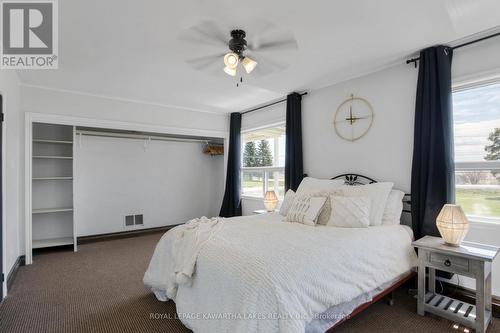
(269,104)
(138,136)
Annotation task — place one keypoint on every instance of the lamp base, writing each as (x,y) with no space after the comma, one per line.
(451,244)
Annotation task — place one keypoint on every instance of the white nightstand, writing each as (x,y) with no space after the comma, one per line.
(469,259)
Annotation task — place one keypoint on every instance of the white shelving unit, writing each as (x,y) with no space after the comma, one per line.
(52,221)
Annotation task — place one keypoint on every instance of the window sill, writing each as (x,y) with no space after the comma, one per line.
(484,223)
(249,197)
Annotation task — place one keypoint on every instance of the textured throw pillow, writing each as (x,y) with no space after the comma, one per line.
(287,202)
(378,194)
(311,185)
(393,208)
(350,212)
(324,215)
(305,209)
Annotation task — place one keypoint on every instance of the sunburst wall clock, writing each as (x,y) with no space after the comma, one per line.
(353,118)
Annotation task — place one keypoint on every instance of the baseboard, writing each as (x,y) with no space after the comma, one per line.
(122,234)
(13,271)
(469,296)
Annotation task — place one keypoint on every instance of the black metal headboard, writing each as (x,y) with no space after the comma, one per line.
(354,179)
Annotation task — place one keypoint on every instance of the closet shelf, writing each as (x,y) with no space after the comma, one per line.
(51,210)
(63,142)
(52,178)
(55,157)
(41,243)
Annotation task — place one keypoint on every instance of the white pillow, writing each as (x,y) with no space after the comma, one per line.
(350,212)
(287,202)
(305,209)
(378,194)
(309,185)
(393,208)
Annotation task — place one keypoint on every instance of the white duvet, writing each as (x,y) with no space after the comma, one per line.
(259,274)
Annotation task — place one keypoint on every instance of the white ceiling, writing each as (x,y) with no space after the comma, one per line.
(129,49)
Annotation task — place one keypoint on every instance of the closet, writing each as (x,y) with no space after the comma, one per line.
(86,181)
(52,222)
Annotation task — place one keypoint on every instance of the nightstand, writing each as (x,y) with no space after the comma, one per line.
(469,259)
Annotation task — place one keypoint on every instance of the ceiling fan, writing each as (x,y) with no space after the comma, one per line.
(237,45)
(241,53)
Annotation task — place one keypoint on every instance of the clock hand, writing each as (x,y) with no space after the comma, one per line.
(353,119)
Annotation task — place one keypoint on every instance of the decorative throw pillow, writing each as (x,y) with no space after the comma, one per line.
(350,212)
(287,202)
(305,209)
(324,215)
(393,208)
(378,194)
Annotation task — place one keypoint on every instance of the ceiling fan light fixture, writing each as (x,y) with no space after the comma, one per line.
(231,60)
(230,71)
(248,64)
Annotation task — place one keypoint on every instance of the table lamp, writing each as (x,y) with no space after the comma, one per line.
(270,201)
(452,224)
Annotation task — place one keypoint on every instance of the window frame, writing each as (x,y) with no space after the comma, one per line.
(266,170)
(466,83)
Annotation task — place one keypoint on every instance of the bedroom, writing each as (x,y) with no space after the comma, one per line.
(137,126)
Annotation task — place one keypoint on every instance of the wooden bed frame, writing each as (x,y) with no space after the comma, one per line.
(375,299)
(353,180)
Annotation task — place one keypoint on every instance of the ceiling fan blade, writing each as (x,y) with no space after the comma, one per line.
(202,62)
(206,32)
(289,43)
(266,65)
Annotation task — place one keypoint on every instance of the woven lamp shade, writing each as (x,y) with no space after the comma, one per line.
(452,224)
(270,201)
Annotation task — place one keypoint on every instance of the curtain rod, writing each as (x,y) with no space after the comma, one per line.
(270,104)
(414,60)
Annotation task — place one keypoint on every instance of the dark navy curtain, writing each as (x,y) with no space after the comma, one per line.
(294,171)
(231,204)
(432,175)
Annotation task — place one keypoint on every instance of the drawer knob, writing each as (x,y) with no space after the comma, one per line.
(447,263)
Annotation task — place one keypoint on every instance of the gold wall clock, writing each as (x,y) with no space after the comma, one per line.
(353,118)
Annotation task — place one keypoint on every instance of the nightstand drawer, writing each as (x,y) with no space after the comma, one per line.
(448,262)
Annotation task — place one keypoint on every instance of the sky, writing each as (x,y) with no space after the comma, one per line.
(476,114)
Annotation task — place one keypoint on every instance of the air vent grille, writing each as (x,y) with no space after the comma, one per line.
(139,219)
(129,220)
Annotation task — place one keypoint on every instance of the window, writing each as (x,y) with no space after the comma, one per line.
(263,161)
(477,151)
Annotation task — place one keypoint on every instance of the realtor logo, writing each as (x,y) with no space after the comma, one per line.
(29,35)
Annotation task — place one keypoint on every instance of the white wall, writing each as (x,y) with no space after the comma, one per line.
(12,132)
(181,121)
(168,182)
(385,153)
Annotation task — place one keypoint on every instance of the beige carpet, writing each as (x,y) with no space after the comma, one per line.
(99,289)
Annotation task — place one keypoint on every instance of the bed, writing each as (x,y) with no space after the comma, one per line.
(259,274)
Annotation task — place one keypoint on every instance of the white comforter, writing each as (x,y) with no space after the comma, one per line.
(259,274)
